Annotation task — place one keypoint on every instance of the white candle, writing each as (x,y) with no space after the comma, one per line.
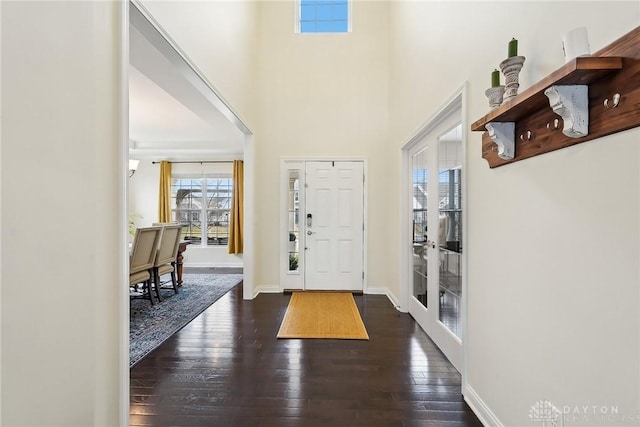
(575,43)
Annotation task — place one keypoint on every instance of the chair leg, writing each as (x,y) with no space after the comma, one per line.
(174,281)
(147,284)
(156,276)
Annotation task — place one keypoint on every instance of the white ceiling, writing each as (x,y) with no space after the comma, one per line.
(157,116)
(171,117)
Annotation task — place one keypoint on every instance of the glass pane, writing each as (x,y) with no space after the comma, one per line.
(420,176)
(323,12)
(190,221)
(339,11)
(339,26)
(307,12)
(186,199)
(293,215)
(217,227)
(323,26)
(307,26)
(219,193)
(450,228)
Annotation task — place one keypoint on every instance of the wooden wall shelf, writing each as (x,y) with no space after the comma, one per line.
(613,69)
(583,71)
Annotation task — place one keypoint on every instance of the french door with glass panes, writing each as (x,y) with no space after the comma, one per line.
(437,246)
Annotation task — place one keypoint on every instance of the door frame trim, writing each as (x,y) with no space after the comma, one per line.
(123,217)
(284,161)
(458,100)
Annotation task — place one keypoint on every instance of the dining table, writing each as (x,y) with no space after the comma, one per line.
(179,258)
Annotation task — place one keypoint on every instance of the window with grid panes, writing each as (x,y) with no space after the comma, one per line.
(324,16)
(293,208)
(203,207)
(420,182)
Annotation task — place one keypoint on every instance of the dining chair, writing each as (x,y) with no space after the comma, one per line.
(142,259)
(165,262)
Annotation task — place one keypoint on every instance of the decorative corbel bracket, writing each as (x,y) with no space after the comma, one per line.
(503,134)
(572,104)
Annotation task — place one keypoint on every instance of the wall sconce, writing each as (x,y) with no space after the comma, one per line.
(133,165)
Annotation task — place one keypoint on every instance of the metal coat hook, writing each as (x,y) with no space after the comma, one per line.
(528,137)
(615,101)
(554,126)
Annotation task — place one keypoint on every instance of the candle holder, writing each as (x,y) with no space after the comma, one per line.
(511,69)
(495,96)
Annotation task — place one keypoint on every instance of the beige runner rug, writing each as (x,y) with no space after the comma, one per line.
(322,315)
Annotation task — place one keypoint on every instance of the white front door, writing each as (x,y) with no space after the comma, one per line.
(334,224)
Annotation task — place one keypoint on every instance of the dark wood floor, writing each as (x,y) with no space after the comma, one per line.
(227,368)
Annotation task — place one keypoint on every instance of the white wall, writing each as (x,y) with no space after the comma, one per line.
(62,239)
(553,241)
(553,292)
(323,96)
(0,225)
(143,206)
(220,38)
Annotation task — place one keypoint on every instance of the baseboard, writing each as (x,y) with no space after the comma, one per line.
(482,411)
(394,299)
(376,291)
(384,291)
(267,289)
(291,291)
(216,265)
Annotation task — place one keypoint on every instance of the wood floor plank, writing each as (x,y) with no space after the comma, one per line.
(227,368)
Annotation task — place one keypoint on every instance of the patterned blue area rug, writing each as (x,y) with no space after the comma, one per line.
(151,326)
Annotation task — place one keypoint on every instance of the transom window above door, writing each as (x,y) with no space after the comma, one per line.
(324,16)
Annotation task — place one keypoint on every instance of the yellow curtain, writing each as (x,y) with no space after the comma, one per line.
(164,196)
(237,209)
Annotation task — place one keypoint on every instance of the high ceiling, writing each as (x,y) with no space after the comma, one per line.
(173,114)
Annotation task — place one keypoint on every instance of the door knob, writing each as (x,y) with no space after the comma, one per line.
(309,232)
